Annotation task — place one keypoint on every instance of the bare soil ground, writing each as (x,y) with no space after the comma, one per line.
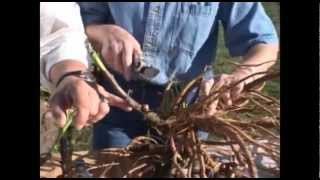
(51,169)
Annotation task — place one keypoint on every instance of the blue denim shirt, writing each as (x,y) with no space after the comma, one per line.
(180,38)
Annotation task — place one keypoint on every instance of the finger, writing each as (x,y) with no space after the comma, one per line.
(212,109)
(81,102)
(236,91)
(114,100)
(226,98)
(103,111)
(127,61)
(56,111)
(206,87)
(81,118)
(137,49)
(94,102)
(111,55)
(221,105)
(117,49)
(220,81)
(107,56)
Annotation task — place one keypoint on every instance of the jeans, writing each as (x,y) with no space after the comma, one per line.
(119,127)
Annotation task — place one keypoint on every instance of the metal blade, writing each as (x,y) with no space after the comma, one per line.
(144,70)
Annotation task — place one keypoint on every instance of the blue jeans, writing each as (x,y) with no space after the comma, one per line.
(119,127)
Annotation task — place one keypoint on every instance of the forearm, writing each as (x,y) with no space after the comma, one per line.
(258,59)
(63,40)
(63,67)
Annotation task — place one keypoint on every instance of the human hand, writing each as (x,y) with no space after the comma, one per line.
(86,98)
(230,96)
(117,47)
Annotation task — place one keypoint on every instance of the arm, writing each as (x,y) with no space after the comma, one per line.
(264,54)
(249,33)
(63,50)
(61,32)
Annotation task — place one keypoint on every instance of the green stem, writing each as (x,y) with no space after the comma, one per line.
(63,130)
(98,62)
(149,115)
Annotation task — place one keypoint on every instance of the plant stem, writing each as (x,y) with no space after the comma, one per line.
(153,117)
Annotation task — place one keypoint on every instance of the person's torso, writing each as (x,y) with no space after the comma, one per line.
(178,38)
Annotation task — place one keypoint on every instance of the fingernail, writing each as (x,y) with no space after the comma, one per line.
(79,127)
(98,119)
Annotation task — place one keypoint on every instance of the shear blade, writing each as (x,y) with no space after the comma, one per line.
(149,72)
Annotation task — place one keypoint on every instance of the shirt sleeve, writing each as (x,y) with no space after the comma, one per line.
(63,37)
(95,12)
(245,25)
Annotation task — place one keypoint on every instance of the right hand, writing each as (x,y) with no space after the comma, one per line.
(117,46)
(75,92)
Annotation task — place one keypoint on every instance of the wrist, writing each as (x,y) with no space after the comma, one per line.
(67,80)
(63,67)
(243,71)
(74,75)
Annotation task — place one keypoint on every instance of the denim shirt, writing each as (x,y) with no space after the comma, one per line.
(180,38)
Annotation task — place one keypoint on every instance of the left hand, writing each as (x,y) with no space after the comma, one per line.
(230,96)
(263,54)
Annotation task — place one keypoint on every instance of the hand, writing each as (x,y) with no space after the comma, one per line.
(230,96)
(117,47)
(74,91)
(263,54)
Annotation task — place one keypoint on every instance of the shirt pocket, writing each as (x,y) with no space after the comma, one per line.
(192,25)
(196,8)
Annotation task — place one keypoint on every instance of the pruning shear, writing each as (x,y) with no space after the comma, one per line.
(144,70)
